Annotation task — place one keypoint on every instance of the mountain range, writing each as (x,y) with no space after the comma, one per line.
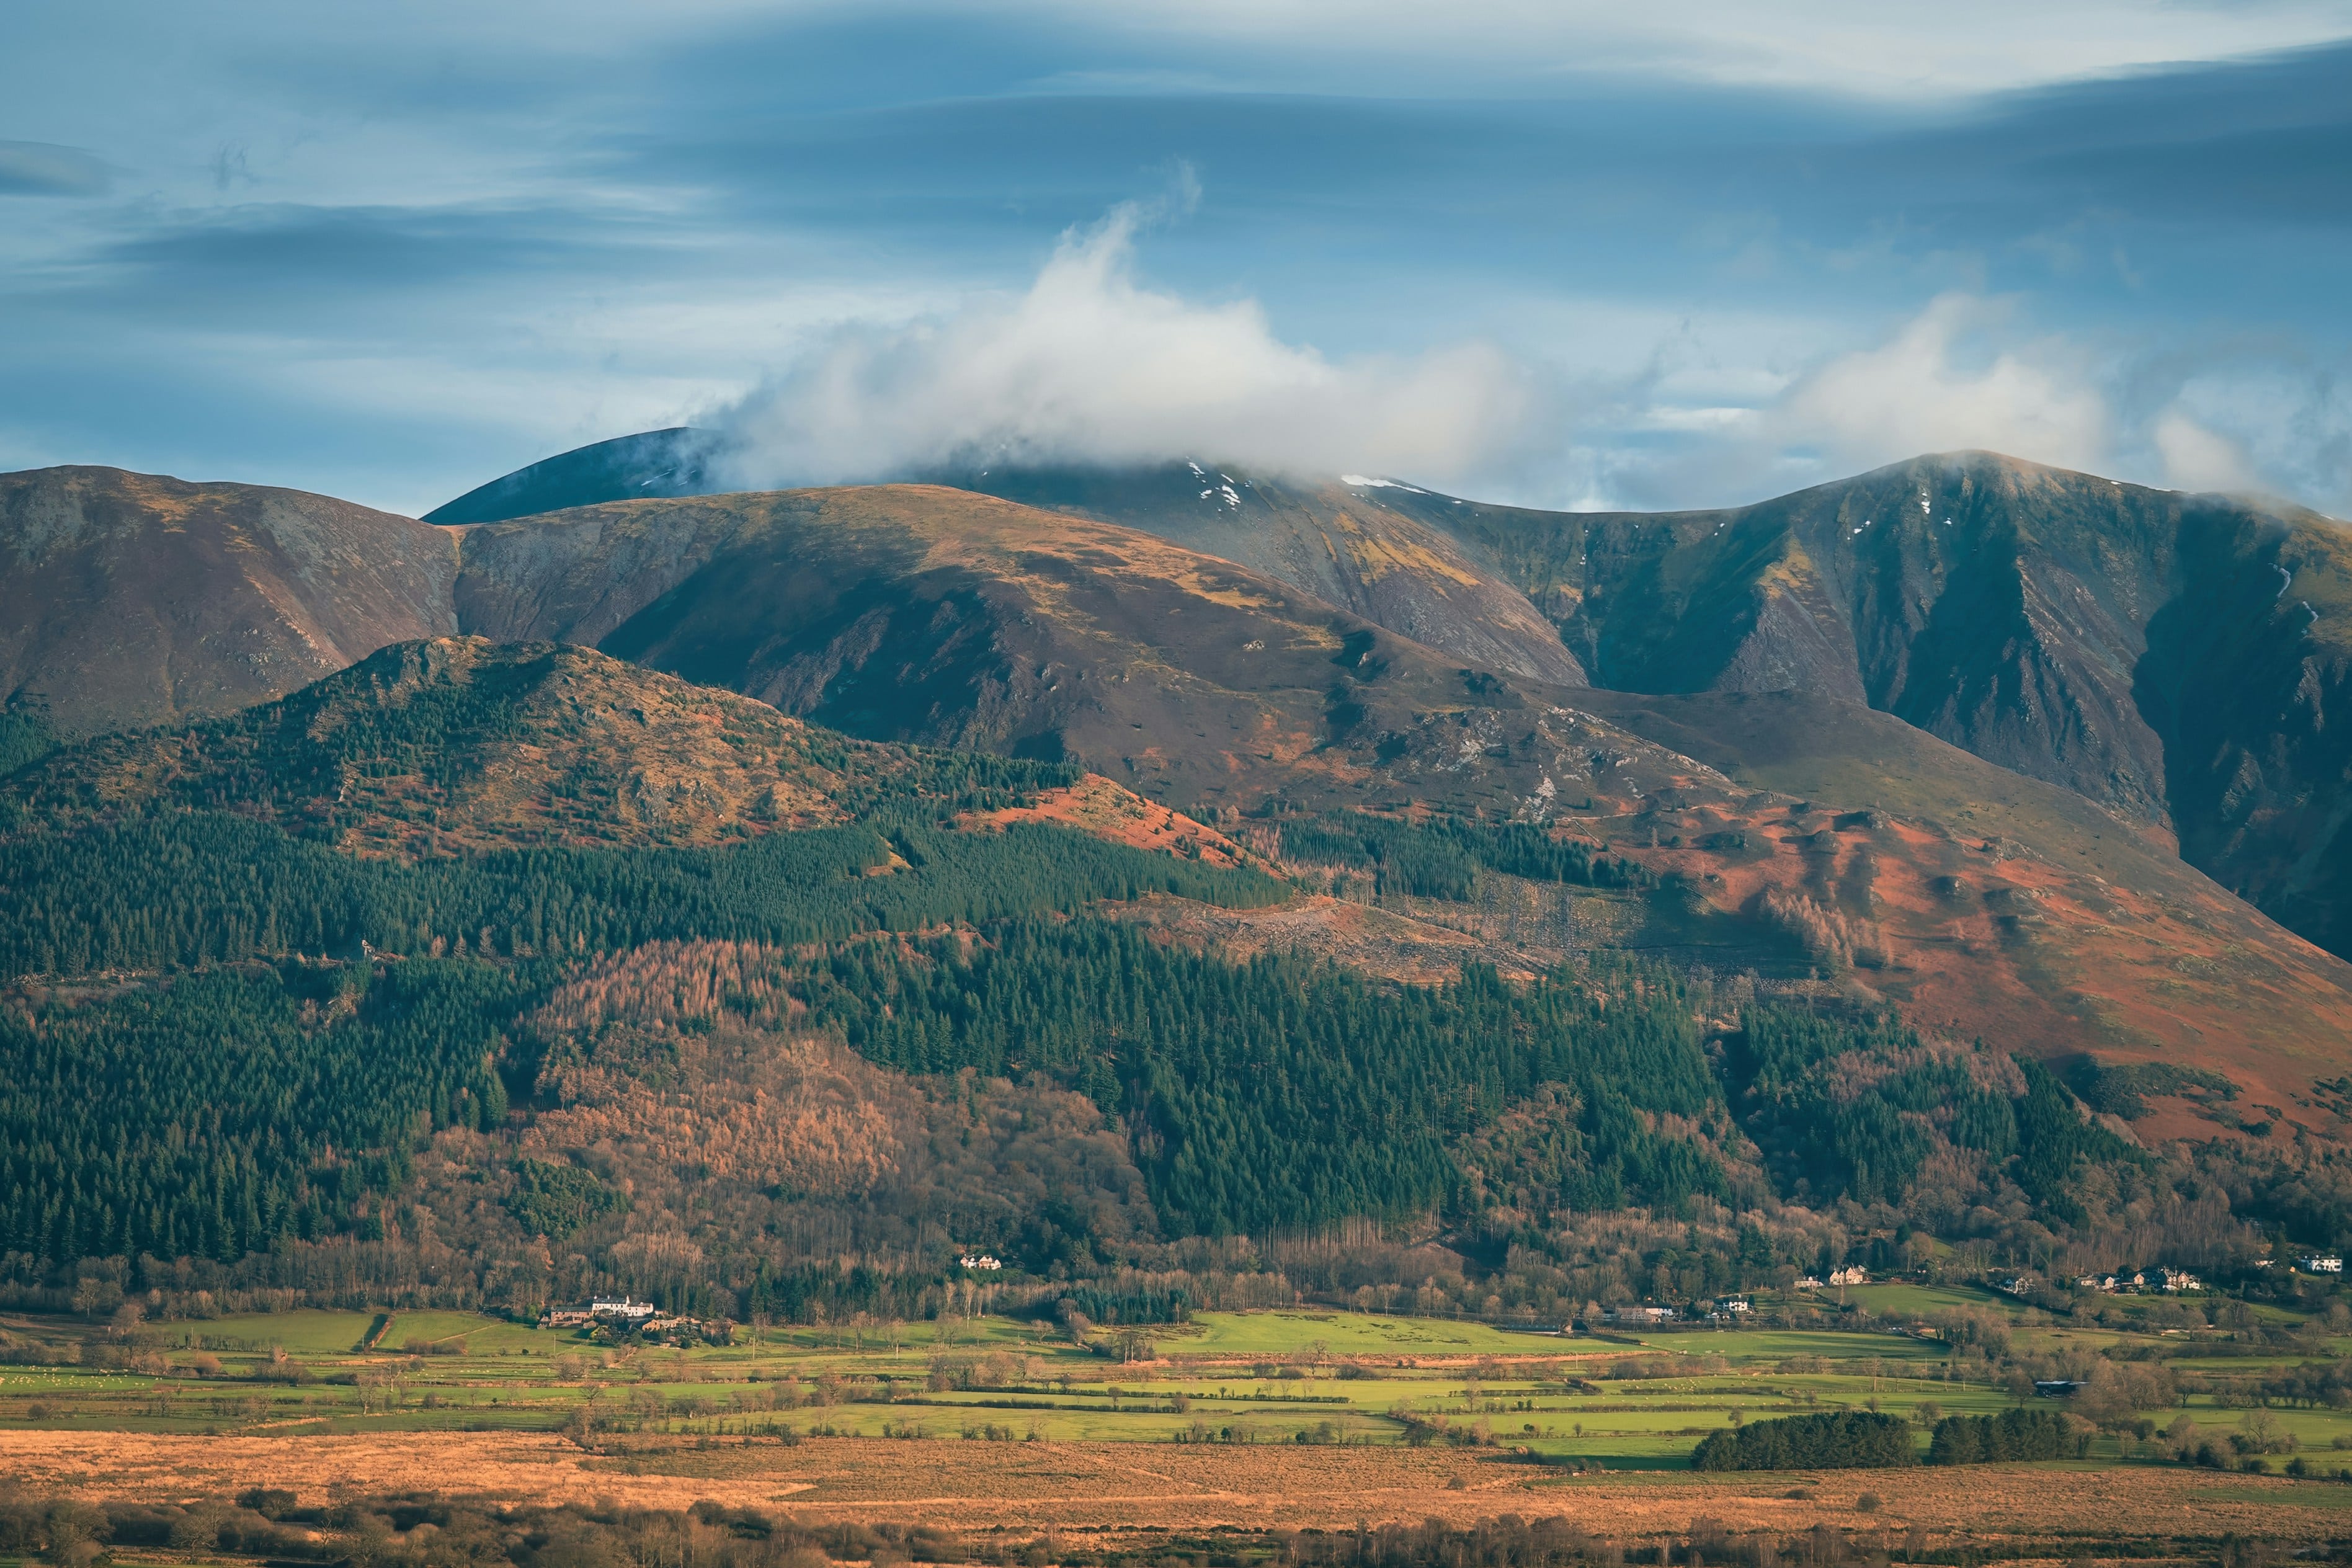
(1957,771)
(2172,657)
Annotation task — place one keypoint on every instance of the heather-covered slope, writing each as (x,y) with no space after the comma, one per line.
(130,599)
(460,745)
(1985,903)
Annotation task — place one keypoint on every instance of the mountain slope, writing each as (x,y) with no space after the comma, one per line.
(927,613)
(765,1074)
(1393,571)
(130,599)
(459,746)
(2000,906)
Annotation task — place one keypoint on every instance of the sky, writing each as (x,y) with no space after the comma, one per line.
(1540,251)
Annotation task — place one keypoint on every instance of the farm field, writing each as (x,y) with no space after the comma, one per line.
(1296,1379)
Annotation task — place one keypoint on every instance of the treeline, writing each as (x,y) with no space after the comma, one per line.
(1440,857)
(1846,1439)
(1282,1092)
(2021,1434)
(178,889)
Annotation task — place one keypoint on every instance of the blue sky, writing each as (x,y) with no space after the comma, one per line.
(1546,253)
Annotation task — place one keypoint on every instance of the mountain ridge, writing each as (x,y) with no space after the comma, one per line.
(130,599)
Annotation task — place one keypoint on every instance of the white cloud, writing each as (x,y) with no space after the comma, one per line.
(1937,386)
(1090,365)
(2195,458)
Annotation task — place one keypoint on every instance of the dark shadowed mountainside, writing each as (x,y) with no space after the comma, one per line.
(673,462)
(2173,657)
(130,599)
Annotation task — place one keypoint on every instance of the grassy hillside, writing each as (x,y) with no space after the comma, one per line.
(1394,570)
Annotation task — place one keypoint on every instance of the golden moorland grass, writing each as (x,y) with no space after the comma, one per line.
(1110,1490)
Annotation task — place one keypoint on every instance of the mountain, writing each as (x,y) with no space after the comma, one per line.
(131,599)
(1393,571)
(2173,657)
(1982,900)
(1396,570)
(262,1032)
(928,614)
(1976,899)
(673,462)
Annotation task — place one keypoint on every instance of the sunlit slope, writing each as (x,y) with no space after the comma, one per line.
(1393,571)
(1987,904)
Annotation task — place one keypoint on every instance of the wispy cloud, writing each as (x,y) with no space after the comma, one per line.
(40,169)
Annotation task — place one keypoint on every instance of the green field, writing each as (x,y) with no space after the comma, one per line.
(1638,1401)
